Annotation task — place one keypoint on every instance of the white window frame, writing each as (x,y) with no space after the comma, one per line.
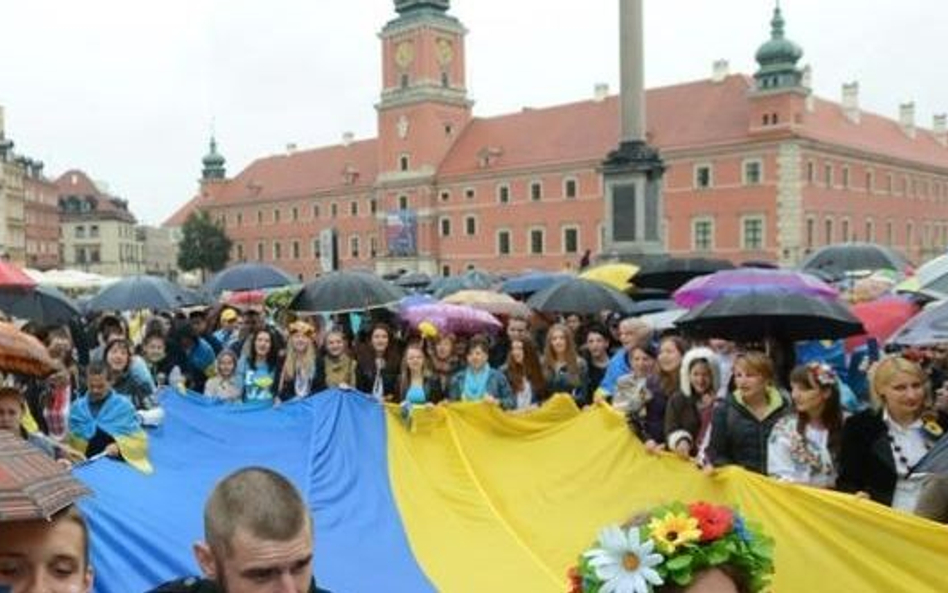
(467,218)
(845,230)
(536,183)
(441,221)
(530,232)
(510,247)
(694,177)
(810,232)
(760,166)
(276,251)
(579,239)
(354,246)
(499,192)
(470,193)
(763,232)
(575,182)
(709,220)
(830,237)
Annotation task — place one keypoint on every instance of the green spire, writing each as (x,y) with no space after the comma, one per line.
(213,163)
(778,58)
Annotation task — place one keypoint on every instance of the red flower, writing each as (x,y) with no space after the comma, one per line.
(713,521)
(575,580)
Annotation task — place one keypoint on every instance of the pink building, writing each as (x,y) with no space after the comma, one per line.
(758,168)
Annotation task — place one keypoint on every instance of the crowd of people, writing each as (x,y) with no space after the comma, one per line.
(713,401)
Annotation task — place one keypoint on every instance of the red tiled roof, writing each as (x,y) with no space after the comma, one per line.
(76,183)
(181,214)
(694,114)
(873,133)
(302,173)
(691,114)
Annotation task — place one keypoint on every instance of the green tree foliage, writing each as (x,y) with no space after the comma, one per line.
(204,244)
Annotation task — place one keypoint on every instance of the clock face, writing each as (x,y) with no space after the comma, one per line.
(404,53)
(445,51)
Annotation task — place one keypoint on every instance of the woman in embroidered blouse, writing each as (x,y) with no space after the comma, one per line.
(564,371)
(881,446)
(478,381)
(299,377)
(804,447)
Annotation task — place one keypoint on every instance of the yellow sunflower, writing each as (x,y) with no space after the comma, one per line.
(674,530)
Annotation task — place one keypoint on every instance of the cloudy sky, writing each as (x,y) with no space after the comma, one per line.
(129,91)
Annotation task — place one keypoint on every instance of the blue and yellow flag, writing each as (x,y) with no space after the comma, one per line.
(117,419)
(470,499)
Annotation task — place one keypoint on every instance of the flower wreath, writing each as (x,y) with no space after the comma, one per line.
(822,373)
(672,544)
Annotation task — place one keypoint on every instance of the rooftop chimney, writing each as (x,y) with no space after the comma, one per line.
(720,70)
(851,101)
(907,118)
(290,147)
(806,81)
(600,92)
(347,138)
(940,128)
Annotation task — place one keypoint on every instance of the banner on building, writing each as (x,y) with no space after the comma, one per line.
(328,260)
(401,233)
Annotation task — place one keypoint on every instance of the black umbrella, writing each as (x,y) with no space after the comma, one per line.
(143,292)
(784,315)
(841,258)
(671,273)
(413,280)
(249,276)
(44,305)
(470,280)
(578,295)
(341,292)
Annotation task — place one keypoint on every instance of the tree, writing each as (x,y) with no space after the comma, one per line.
(204,244)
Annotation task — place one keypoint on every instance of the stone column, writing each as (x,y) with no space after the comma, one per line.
(632,174)
(631,65)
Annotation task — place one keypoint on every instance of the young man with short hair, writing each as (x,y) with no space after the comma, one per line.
(258,538)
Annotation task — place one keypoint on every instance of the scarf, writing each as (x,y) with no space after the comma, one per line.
(475,384)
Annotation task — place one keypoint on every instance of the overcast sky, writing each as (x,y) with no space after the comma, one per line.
(129,91)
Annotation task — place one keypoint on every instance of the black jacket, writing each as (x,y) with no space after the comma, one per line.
(866,460)
(739,438)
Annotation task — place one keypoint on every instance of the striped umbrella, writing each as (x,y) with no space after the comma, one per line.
(32,485)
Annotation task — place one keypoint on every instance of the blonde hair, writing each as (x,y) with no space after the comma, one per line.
(756,363)
(883,373)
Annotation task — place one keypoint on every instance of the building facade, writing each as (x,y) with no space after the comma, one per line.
(757,168)
(12,198)
(159,251)
(41,214)
(98,231)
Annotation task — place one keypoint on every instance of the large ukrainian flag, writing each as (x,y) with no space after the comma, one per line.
(468,498)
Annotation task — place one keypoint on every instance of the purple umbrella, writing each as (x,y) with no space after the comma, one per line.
(745,280)
(455,319)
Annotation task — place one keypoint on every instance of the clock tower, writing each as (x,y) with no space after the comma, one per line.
(424,104)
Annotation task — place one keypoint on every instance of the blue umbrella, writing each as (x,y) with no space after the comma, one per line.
(531,282)
(143,292)
(249,276)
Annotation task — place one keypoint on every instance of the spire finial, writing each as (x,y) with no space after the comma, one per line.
(777,23)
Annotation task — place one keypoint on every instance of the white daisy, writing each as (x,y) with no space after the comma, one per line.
(623,562)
